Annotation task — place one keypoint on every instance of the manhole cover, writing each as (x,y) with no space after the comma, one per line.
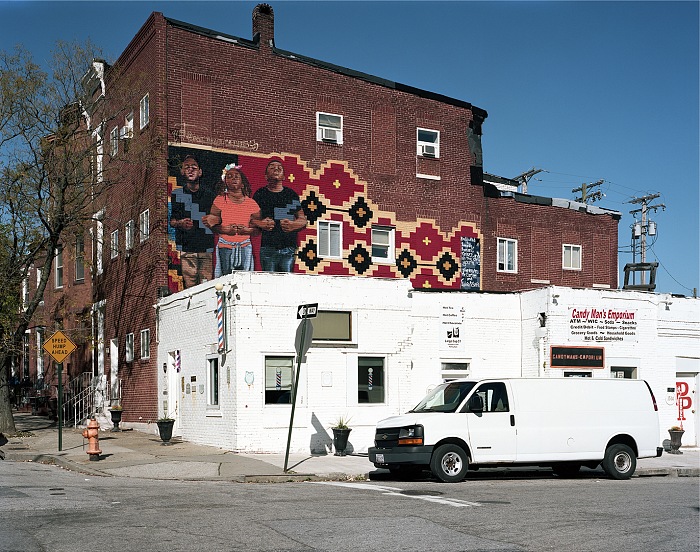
(420,493)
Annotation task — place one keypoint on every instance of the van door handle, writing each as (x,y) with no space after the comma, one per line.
(512,419)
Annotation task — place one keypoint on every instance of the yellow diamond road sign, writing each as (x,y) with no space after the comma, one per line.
(59,346)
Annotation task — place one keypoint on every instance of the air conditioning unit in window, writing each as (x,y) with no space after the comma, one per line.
(330,135)
(427,150)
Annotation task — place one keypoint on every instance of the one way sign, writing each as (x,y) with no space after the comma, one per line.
(307,311)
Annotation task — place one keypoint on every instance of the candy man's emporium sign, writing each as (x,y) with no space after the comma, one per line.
(602,324)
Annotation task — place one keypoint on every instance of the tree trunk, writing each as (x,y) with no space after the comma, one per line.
(7,422)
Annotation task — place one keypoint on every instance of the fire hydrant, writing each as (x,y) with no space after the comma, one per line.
(90,433)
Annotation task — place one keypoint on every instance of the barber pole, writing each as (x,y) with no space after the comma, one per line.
(220,320)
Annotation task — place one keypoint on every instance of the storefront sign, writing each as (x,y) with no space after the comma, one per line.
(452,329)
(577,357)
(602,324)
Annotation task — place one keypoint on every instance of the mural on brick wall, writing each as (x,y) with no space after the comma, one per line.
(243,211)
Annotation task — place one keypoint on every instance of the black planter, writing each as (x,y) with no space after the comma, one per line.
(116,419)
(340,440)
(675,440)
(165,428)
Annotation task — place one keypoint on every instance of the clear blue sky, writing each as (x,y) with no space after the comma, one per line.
(584,90)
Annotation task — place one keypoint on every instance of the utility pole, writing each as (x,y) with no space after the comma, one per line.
(525,177)
(640,230)
(586,194)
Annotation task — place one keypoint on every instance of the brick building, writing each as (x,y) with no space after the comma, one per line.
(389,178)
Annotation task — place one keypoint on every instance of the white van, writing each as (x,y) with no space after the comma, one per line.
(564,423)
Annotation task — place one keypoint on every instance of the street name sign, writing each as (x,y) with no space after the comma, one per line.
(307,311)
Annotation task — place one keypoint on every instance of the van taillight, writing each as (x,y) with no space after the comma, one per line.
(653,398)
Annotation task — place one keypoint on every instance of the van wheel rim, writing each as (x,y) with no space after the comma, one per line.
(623,463)
(451,464)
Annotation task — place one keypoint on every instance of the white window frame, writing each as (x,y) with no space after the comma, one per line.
(129,235)
(114,244)
(144,111)
(145,343)
(286,386)
(114,141)
(25,293)
(571,248)
(58,268)
(428,148)
(40,331)
(127,130)
(384,381)
(390,232)
(453,368)
(325,228)
(144,225)
(327,132)
(213,382)
(79,259)
(129,348)
(503,245)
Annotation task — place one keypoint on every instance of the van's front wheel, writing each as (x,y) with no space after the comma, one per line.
(449,463)
(619,462)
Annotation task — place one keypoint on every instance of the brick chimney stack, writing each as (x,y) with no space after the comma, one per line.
(264,25)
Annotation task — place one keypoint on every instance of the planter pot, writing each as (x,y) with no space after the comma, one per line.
(165,429)
(340,440)
(116,418)
(675,441)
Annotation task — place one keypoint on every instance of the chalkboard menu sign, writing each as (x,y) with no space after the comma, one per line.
(471,263)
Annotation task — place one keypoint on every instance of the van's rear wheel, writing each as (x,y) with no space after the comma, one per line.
(619,462)
(449,463)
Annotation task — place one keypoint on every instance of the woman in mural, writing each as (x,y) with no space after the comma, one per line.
(230,218)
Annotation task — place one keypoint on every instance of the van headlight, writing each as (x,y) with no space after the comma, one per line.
(412,435)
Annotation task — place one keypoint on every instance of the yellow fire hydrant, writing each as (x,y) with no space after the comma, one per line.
(91,434)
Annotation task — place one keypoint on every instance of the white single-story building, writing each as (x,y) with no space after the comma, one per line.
(228,352)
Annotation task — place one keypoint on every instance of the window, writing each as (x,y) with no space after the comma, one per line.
(128,128)
(571,257)
(25,355)
(428,142)
(129,348)
(383,244)
(370,380)
(329,128)
(507,255)
(454,369)
(145,343)
(333,326)
(278,380)
(39,352)
(58,267)
(129,236)
(79,259)
(623,372)
(144,224)
(144,112)
(329,239)
(25,293)
(494,395)
(114,141)
(213,382)
(114,248)
(98,240)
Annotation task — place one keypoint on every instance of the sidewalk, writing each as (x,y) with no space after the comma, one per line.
(141,455)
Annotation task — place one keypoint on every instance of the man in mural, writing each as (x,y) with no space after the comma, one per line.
(194,240)
(280,219)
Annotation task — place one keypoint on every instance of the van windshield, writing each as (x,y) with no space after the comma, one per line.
(446,397)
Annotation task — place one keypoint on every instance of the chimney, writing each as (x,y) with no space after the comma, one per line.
(264,25)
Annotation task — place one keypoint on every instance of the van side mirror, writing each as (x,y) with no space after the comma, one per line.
(476,404)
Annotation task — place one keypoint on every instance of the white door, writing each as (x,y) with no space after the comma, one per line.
(492,432)
(115,391)
(687,407)
(171,403)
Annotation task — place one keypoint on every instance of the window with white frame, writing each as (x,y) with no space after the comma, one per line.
(25,292)
(428,142)
(25,355)
(144,111)
(39,352)
(329,128)
(571,257)
(507,255)
(114,247)
(144,225)
(128,128)
(213,382)
(383,244)
(129,348)
(129,236)
(330,239)
(114,142)
(145,343)
(454,369)
(79,258)
(278,379)
(38,281)
(58,267)
(370,380)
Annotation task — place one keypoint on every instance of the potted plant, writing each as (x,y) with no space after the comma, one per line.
(116,414)
(341,432)
(165,429)
(676,432)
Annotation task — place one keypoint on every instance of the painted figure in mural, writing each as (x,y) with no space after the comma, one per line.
(280,219)
(194,240)
(230,218)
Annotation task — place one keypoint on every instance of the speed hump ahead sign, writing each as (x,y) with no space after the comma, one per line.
(59,346)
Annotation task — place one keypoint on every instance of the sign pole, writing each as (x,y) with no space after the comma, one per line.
(300,353)
(60,406)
